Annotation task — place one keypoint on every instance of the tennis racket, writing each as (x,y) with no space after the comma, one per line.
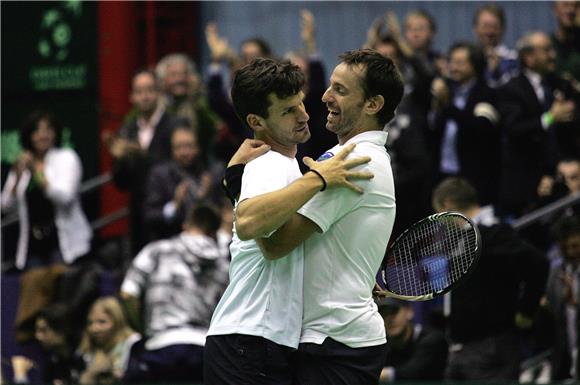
(431,258)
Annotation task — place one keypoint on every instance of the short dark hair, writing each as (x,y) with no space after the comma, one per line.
(494,9)
(57,317)
(30,125)
(458,191)
(381,78)
(262,77)
(566,227)
(206,218)
(476,56)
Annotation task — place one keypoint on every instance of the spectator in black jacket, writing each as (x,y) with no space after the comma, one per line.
(538,112)
(174,187)
(141,143)
(500,297)
(413,353)
(466,124)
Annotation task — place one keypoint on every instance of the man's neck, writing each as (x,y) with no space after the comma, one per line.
(289,152)
(362,127)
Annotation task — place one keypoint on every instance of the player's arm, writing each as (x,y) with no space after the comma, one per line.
(261,215)
(289,236)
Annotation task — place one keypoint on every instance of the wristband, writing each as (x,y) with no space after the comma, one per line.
(547,119)
(321,178)
(233,181)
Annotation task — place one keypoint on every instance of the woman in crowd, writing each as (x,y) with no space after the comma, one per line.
(106,343)
(43,185)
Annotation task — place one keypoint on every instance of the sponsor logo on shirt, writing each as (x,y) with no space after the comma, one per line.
(326,155)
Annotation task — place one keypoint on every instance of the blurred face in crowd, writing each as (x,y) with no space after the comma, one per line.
(388,50)
(48,338)
(100,326)
(345,99)
(184,147)
(145,93)
(397,320)
(286,124)
(460,68)
(542,59)
(565,12)
(43,137)
(418,32)
(570,172)
(571,248)
(177,79)
(249,51)
(488,29)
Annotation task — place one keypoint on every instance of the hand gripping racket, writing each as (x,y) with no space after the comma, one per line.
(430,258)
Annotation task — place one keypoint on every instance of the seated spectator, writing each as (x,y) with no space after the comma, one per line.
(538,112)
(466,131)
(142,142)
(176,186)
(106,343)
(180,280)
(61,367)
(566,40)
(563,299)
(486,316)
(413,353)
(43,186)
(489,27)
(183,95)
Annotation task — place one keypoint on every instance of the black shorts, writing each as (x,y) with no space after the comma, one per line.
(333,363)
(239,359)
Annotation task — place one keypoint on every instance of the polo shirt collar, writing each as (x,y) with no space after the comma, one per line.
(375,136)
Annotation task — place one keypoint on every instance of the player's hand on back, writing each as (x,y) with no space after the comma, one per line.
(337,172)
(249,150)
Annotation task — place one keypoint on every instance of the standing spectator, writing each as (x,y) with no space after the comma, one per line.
(466,123)
(184,97)
(563,295)
(566,40)
(43,186)
(489,27)
(537,110)
(420,30)
(310,63)
(141,143)
(413,353)
(106,343)
(180,280)
(407,140)
(176,186)
(485,317)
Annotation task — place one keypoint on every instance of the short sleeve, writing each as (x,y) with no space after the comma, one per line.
(327,207)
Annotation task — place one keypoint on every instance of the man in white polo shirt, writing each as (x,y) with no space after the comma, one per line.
(345,234)
(257,322)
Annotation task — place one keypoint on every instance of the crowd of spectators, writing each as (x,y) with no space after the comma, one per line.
(484,129)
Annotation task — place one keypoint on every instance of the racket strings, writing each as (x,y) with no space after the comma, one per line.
(431,257)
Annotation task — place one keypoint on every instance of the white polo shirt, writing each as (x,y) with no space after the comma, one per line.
(264,298)
(341,264)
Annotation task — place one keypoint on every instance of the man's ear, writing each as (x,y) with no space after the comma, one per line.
(255,122)
(374,104)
